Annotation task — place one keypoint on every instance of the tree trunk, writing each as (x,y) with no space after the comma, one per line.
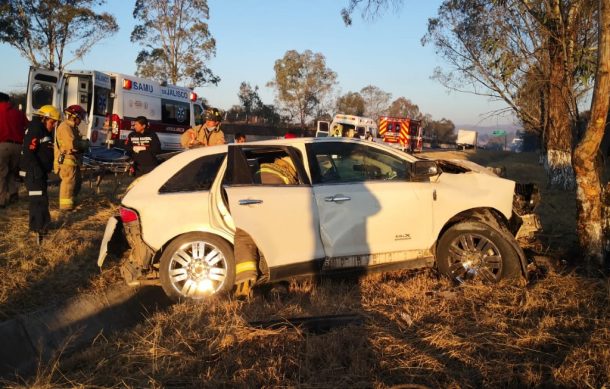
(591,219)
(558,131)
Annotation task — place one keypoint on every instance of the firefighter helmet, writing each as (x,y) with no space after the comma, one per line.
(49,111)
(76,111)
(213,114)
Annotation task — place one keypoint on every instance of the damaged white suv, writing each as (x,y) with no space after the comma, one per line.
(350,205)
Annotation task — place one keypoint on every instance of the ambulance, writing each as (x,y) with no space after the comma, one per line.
(358,126)
(401,131)
(113,101)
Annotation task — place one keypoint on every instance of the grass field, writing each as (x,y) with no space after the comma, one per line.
(415,327)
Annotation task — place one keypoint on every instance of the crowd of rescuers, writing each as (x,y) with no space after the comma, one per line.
(32,150)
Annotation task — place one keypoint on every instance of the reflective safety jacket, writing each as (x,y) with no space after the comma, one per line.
(200,136)
(37,152)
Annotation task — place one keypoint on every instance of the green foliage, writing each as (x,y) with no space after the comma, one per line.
(440,130)
(376,101)
(302,83)
(403,107)
(249,98)
(42,30)
(351,103)
(176,40)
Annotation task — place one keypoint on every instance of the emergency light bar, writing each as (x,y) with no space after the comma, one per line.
(193,96)
(126,84)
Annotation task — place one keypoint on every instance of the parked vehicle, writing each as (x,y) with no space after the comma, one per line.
(358,126)
(466,139)
(403,131)
(357,206)
(113,101)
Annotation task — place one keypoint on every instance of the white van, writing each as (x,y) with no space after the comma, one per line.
(113,101)
(359,124)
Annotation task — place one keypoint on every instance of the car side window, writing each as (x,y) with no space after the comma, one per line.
(271,166)
(198,175)
(339,162)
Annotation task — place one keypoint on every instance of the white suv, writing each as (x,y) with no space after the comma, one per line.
(351,205)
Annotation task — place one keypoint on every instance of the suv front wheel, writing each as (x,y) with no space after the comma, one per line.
(474,250)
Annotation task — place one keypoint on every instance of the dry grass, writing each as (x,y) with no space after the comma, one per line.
(417,328)
(33,276)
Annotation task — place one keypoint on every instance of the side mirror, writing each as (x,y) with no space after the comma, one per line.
(424,169)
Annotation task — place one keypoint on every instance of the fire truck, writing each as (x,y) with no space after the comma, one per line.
(403,132)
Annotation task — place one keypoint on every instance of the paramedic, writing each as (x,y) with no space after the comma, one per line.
(143,146)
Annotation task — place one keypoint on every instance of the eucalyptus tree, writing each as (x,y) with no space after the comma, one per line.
(43,30)
(176,39)
(302,83)
(351,103)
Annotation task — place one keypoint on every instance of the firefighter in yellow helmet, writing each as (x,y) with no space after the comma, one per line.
(279,172)
(37,163)
(69,149)
(206,134)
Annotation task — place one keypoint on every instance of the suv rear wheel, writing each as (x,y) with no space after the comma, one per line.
(197,265)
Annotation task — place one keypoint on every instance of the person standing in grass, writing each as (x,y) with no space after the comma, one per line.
(37,162)
(12,127)
(143,146)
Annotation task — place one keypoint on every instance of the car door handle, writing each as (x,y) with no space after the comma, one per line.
(250,202)
(337,198)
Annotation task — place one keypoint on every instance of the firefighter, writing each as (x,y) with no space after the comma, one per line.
(337,130)
(69,149)
(207,134)
(280,172)
(143,145)
(37,162)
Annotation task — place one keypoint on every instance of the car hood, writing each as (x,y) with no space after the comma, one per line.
(462,166)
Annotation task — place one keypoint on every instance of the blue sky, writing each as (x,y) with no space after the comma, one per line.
(252,34)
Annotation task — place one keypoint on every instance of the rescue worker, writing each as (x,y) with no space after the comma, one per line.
(12,128)
(280,172)
(69,149)
(337,130)
(240,138)
(37,162)
(207,134)
(143,145)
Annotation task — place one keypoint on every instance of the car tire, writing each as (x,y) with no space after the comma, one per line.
(473,250)
(197,265)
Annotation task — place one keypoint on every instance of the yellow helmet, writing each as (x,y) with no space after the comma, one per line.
(49,111)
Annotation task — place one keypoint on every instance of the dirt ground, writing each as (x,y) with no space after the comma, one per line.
(411,327)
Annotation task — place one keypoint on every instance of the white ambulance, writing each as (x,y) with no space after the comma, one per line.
(359,126)
(113,101)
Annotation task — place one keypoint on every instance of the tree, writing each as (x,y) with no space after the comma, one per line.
(587,161)
(403,107)
(42,31)
(176,39)
(302,82)
(249,99)
(440,130)
(376,101)
(508,49)
(351,103)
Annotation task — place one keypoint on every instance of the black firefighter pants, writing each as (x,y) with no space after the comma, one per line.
(39,203)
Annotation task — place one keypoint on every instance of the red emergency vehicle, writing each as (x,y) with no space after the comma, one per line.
(404,131)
